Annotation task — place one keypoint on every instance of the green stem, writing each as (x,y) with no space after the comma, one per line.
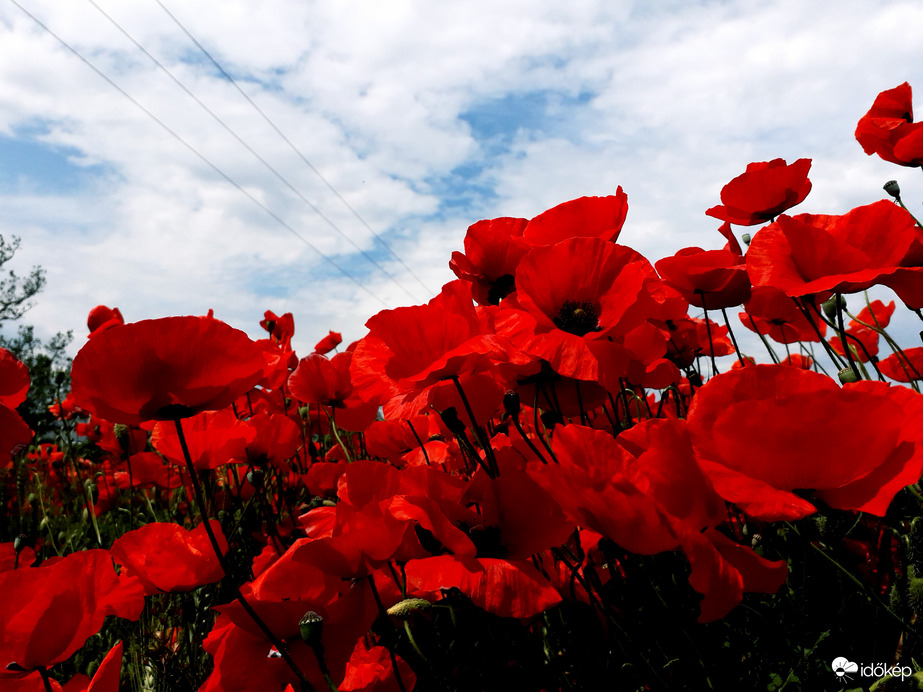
(222,560)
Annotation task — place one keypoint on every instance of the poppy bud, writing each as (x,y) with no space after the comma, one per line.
(847,376)
(915,544)
(20,542)
(746,238)
(893,189)
(897,601)
(304,412)
(404,609)
(311,627)
(256,478)
(915,594)
(120,432)
(511,403)
(832,304)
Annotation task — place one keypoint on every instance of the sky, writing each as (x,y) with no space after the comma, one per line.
(402,123)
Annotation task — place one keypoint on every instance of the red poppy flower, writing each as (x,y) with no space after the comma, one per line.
(167,557)
(14,379)
(105,679)
(904,368)
(213,439)
(328,343)
(810,253)
(763,192)
(508,588)
(772,313)
(282,329)
(875,314)
(645,491)
(371,670)
(423,344)
(276,438)
(797,360)
(102,318)
(147,470)
(762,432)
(493,249)
(586,217)
(888,128)
(14,384)
(576,292)
(861,342)
(322,381)
(689,339)
(48,612)
(164,369)
(710,279)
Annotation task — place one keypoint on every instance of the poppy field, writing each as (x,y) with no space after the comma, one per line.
(563,472)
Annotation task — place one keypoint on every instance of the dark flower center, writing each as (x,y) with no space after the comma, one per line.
(500,289)
(578,317)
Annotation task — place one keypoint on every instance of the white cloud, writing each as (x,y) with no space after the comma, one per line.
(669,100)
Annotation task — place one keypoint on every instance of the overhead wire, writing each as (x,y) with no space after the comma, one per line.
(200,156)
(252,151)
(292,145)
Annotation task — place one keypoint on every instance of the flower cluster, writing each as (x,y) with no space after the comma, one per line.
(508,486)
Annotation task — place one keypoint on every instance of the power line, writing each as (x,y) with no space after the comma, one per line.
(240,140)
(201,156)
(292,145)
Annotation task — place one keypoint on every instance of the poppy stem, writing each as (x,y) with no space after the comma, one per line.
(711,344)
(529,442)
(222,560)
(772,353)
(419,442)
(46,679)
(727,323)
(538,430)
(807,314)
(336,433)
(382,613)
(478,430)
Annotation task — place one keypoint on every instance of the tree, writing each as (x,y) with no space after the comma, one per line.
(49,366)
(49,369)
(16,292)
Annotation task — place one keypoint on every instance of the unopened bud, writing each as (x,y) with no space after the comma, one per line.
(832,304)
(915,594)
(893,189)
(746,238)
(256,478)
(847,376)
(120,432)
(20,542)
(406,608)
(311,626)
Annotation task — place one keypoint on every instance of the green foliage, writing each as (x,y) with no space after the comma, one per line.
(49,368)
(16,292)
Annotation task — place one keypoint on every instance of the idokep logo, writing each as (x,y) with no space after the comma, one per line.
(844,669)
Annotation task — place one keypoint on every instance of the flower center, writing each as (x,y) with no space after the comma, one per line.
(500,289)
(578,317)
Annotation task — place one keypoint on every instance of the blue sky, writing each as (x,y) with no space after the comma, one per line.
(424,117)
